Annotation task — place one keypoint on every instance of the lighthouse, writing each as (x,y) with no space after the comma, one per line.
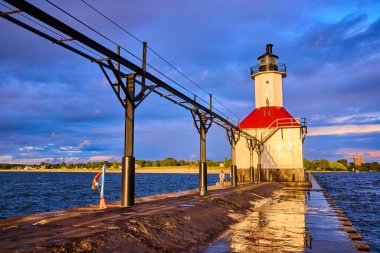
(277,151)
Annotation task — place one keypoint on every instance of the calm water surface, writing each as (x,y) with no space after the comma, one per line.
(358,195)
(24,193)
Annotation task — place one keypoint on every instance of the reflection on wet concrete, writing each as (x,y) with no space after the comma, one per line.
(220,246)
(277,226)
(294,220)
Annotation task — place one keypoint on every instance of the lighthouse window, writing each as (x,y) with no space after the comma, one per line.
(268,61)
(262,62)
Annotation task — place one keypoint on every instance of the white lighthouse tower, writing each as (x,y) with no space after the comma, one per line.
(279,157)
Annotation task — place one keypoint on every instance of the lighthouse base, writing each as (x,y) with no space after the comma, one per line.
(273,175)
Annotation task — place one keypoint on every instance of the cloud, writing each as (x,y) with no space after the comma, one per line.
(75,149)
(6,159)
(356,118)
(204,74)
(103,158)
(345,129)
(193,157)
(74,159)
(85,143)
(31,148)
(14,160)
(69,149)
(349,153)
(332,55)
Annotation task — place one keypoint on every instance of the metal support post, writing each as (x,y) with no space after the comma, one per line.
(233,137)
(259,172)
(202,123)
(251,147)
(259,150)
(233,164)
(203,164)
(117,87)
(128,161)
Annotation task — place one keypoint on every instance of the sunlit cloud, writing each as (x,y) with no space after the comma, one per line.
(102,158)
(67,160)
(69,149)
(349,153)
(345,129)
(14,160)
(6,159)
(193,157)
(74,149)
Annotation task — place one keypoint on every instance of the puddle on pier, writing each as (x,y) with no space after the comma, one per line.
(292,221)
(220,246)
(277,226)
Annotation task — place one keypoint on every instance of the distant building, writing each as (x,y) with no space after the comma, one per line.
(358,160)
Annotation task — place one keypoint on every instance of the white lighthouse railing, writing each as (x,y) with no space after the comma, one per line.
(277,124)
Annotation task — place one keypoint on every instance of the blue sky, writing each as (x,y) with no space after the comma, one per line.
(55,106)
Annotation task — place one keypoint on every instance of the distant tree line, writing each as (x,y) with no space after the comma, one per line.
(115,165)
(339,165)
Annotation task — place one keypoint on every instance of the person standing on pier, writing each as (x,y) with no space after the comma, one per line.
(221,178)
(95,184)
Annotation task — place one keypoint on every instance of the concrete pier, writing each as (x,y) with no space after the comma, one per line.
(266,217)
(174,222)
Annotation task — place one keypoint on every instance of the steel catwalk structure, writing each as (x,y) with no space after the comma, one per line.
(125,90)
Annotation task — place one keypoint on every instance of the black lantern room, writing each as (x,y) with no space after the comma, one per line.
(268,62)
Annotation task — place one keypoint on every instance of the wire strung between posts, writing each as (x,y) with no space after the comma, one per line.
(157,54)
(76,43)
(36,22)
(97,54)
(89,27)
(99,12)
(113,42)
(216,100)
(136,38)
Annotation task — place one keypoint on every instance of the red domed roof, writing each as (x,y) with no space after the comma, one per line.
(263,117)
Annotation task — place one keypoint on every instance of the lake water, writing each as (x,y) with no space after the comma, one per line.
(358,195)
(24,193)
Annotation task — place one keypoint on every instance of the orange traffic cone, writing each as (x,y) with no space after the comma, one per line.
(102,204)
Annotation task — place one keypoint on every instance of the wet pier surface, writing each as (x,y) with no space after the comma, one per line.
(294,220)
(250,218)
